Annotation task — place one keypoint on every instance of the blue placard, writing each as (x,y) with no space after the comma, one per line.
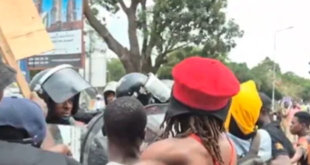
(23,67)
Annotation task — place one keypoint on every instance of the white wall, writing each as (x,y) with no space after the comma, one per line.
(95,62)
(95,68)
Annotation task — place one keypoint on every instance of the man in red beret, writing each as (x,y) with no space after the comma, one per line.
(199,105)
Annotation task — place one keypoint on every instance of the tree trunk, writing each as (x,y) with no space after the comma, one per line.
(123,53)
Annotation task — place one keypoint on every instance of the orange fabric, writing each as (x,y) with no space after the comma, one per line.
(302,140)
(233,151)
(245,108)
(308,153)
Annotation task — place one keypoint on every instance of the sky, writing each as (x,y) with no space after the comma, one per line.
(260,20)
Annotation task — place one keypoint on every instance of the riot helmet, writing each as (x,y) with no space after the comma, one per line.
(109,91)
(58,85)
(168,83)
(143,87)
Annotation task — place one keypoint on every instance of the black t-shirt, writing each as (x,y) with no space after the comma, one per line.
(281,145)
(19,154)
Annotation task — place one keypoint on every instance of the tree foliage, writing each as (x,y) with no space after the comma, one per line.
(165,26)
(115,69)
(286,84)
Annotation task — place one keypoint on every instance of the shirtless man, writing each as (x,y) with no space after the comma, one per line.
(193,125)
(124,124)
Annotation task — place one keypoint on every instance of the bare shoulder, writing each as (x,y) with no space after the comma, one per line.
(158,148)
(176,151)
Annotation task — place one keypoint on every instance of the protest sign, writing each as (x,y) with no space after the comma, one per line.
(68,135)
(22,35)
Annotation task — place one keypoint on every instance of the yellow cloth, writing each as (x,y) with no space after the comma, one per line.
(245,108)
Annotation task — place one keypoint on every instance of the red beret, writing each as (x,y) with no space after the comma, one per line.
(203,83)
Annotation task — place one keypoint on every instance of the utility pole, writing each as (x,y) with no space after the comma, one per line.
(274,63)
(89,53)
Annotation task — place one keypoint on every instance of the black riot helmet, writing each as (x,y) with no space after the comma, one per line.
(59,84)
(143,87)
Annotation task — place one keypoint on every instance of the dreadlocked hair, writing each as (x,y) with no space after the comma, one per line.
(207,128)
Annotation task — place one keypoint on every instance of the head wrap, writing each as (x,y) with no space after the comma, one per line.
(245,108)
(203,86)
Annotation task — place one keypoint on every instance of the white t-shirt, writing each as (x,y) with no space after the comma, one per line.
(113,163)
(243,146)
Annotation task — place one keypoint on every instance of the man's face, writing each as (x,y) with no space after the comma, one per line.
(110,97)
(295,126)
(64,109)
(262,116)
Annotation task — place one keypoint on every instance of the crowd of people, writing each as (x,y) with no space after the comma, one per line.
(210,119)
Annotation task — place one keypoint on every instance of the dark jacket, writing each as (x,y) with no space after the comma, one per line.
(279,139)
(85,116)
(18,154)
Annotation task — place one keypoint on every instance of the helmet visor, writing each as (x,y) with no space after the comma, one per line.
(66,83)
(157,88)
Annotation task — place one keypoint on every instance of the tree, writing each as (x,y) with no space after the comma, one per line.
(164,27)
(305,92)
(174,58)
(177,56)
(115,69)
(241,70)
(286,84)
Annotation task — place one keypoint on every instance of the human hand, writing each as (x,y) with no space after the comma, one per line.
(79,124)
(61,149)
(35,98)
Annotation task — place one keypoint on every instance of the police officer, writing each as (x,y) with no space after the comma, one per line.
(146,88)
(109,92)
(19,154)
(60,88)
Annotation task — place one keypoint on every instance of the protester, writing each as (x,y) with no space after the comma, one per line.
(18,154)
(16,125)
(242,123)
(290,115)
(22,121)
(285,106)
(300,127)
(282,148)
(124,124)
(199,104)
